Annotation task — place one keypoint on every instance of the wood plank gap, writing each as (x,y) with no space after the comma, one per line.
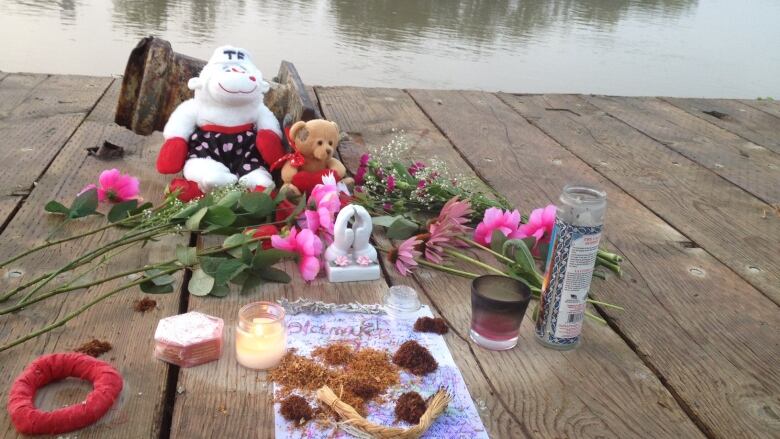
(763,110)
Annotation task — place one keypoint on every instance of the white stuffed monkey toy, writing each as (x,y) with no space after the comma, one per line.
(225,134)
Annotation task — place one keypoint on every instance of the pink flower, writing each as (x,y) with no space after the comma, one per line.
(455,214)
(438,237)
(342,261)
(416,167)
(115,187)
(390,183)
(364,159)
(326,204)
(403,256)
(496,219)
(540,223)
(308,247)
(364,261)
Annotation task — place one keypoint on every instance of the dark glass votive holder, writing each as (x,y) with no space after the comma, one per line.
(498,304)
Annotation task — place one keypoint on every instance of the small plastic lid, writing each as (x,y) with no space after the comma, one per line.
(401,301)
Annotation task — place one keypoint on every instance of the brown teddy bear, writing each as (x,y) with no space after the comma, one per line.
(314,143)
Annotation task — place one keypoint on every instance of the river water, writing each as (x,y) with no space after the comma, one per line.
(712,48)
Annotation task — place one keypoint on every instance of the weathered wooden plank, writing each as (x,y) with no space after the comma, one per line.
(15,88)
(771,106)
(735,227)
(139,411)
(42,114)
(749,166)
(741,119)
(700,328)
(7,206)
(538,392)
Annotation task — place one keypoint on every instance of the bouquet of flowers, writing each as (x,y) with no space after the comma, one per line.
(245,218)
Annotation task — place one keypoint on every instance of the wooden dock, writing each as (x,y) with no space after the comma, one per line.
(694,208)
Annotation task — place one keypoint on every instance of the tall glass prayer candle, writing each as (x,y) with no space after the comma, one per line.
(261,335)
(571,258)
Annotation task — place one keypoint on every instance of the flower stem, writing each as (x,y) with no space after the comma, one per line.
(463,257)
(47,277)
(610,265)
(596,318)
(487,249)
(445,269)
(83,308)
(608,305)
(48,244)
(70,288)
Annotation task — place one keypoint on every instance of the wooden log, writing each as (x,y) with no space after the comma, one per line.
(747,122)
(538,392)
(699,327)
(139,411)
(749,166)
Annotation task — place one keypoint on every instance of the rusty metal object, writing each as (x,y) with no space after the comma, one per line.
(155,83)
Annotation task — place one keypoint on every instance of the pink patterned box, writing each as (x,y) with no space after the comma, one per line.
(188,339)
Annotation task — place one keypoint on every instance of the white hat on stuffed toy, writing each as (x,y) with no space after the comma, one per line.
(229,55)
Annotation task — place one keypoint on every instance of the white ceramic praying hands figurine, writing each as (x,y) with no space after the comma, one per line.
(351,257)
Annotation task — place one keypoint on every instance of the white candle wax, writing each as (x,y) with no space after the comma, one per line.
(263,346)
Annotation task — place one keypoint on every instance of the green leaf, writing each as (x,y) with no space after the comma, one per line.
(228,270)
(256,203)
(219,216)
(210,264)
(187,255)
(250,283)
(266,258)
(272,274)
(298,209)
(193,222)
(230,199)
(237,239)
(384,220)
(56,207)
(85,204)
(403,173)
(518,250)
(122,210)
(150,287)
(201,283)
(220,291)
(187,211)
(165,279)
(402,228)
(497,240)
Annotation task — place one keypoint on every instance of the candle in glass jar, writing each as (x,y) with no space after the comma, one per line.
(261,335)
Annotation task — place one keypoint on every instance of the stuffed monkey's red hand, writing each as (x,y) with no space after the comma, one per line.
(269,145)
(172,156)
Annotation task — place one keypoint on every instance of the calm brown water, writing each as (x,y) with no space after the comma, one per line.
(715,48)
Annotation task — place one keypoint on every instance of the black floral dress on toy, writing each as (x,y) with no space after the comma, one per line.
(236,150)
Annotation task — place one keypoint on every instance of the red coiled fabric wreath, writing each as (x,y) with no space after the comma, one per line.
(106,383)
